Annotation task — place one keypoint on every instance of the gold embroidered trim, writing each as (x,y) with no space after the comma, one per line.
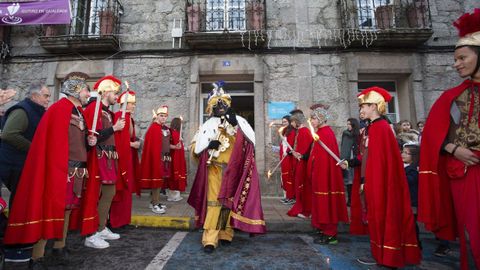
(89,218)
(393,248)
(213,203)
(246,220)
(428,172)
(36,221)
(330,193)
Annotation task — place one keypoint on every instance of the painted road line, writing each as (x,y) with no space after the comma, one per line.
(167,251)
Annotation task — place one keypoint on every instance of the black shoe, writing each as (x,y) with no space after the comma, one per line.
(209,249)
(326,240)
(225,242)
(441,251)
(367,261)
(38,264)
(59,256)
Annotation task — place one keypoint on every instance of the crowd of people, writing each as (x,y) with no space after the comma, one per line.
(393,175)
(75,165)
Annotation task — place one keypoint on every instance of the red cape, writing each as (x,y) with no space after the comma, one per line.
(393,239)
(151,172)
(121,208)
(39,207)
(178,181)
(303,189)
(435,204)
(328,204)
(288,182)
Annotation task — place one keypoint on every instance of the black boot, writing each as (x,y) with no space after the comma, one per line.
(38,264)
(59,256)
(349,194)
(208,249)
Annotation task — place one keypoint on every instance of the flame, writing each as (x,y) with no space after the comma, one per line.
(314,134)
(271,124)
(181,118)
(128,86)
(269,174)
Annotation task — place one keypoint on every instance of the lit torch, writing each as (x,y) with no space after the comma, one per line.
(329,151)
(181,127)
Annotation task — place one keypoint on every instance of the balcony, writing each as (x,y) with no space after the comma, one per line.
(225,24)
(94,27)
(397,23)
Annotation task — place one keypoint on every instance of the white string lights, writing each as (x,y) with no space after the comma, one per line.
(322,38)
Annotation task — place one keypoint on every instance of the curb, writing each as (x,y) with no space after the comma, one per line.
(167,222)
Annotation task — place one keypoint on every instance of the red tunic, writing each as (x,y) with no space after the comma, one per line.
(178,181)
(39,206)
(393,239)
(287,166)
(303,189)
(328,204)
(121,208)
(438,192)
(151,172)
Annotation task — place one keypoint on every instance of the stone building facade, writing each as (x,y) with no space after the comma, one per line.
(300,51)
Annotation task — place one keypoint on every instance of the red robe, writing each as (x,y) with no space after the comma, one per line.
(358,223)
(328,203)
(39,207)
(121,208)
(178,181)
(151,172)
(303,189)
(287,167)
(435,193)
(393,239)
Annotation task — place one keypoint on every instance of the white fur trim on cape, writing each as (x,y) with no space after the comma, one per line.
(208,132)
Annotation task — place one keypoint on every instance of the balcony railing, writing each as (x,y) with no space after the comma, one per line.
(95,25)
(409,19)
(222,21)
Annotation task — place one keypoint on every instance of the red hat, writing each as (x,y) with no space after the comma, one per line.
(107,84)
(468,26)
(123,96)
(375,95)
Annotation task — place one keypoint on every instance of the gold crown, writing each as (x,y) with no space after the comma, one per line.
(162,109)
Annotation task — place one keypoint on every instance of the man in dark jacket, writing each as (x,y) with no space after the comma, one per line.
(19,124)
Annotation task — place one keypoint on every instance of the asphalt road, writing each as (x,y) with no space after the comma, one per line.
(149,248)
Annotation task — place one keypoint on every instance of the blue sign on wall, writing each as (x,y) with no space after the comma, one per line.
(278,109)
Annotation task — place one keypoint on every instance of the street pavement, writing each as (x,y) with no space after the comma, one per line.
(170,241)
(153,248)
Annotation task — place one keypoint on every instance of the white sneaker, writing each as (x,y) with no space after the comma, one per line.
(163,206)
(301,216)
(175,199)
(106,234)
(158,210)
(95,241)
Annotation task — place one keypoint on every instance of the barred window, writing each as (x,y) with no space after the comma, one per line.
(225,15)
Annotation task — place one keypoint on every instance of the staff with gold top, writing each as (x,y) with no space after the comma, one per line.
(124,105)
(284,142)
